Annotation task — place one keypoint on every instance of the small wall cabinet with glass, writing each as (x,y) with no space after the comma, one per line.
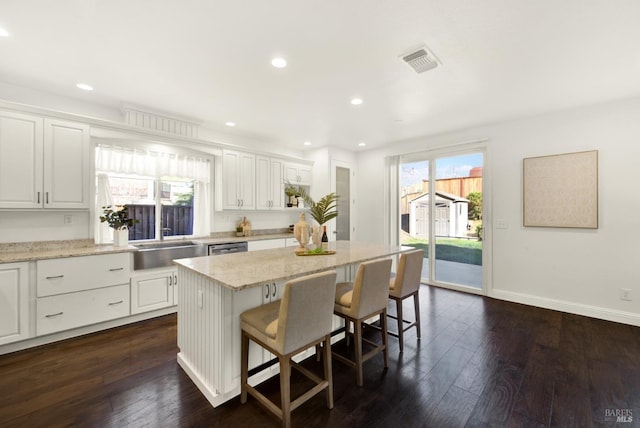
(44,163)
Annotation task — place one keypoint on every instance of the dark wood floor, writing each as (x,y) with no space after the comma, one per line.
(481,362)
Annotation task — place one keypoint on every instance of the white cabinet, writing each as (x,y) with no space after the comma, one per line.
(269,183)
(66,164)
(238,180)
(297,174)
(154,289)
(14,302)
(265,244)
(291,242)
(66,275)
(44,163)
(78,291)
(67,311)
(21,139)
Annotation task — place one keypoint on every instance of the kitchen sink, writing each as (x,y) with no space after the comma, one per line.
(159,254)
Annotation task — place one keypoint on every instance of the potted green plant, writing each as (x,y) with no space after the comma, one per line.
(291,191)
(117,217)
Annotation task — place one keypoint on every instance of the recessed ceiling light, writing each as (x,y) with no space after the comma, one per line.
(230,123)
(3,32)
(279,62)
(362,144)
(356,101)
(307,143)
(84,87)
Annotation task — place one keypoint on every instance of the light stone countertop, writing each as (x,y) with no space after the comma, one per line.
(41,250)
(251,269)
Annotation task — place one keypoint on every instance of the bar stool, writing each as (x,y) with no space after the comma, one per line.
(406,284)
(360,300)
(301,319)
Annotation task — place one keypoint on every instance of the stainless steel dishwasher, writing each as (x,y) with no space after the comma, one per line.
(227,247)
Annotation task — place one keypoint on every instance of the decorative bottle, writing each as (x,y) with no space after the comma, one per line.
(325,239)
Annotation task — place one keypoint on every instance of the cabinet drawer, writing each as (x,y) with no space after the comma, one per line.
(57,276)
(57,313)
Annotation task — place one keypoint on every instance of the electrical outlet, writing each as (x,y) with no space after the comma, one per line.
(625,294)
(502,224)
(68,219)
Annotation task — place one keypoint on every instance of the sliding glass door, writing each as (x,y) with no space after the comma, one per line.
(441,213)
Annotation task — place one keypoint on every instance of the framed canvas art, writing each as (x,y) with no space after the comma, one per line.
(561,190)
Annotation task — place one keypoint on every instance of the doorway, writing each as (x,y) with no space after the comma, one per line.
(342,173)
(447,226)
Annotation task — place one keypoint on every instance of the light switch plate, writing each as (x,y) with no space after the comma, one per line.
(502,224)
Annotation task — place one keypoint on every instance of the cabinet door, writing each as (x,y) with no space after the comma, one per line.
(66,164)
(276,184)
(20,161)
(247,181)
(238,180)
(14,302)
(150,292)
(263,183)
(298,174)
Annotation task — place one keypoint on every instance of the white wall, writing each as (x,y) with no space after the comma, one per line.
(26,226)
(574,270)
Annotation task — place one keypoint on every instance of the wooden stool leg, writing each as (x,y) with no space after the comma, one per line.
(244,366)
(385,337)
(400,323)
(358,345)
(416,305)
(328,373)
(346,330)
(285,390)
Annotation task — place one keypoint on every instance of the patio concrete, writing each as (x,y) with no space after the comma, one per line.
(455,273)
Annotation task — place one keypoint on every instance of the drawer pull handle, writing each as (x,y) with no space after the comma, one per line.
(116,303)
(116,269)
(55,277)
(54,315)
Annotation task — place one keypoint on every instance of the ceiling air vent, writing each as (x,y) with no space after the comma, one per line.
(420,59)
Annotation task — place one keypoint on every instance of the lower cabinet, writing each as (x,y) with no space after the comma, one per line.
(71,310)
(153,289)
(14,302)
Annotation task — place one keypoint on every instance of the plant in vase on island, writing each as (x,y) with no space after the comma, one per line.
(117,217)
(321,211)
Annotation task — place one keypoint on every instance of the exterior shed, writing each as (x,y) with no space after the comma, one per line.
(451,215)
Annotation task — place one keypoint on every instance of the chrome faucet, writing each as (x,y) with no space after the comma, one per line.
(162,231)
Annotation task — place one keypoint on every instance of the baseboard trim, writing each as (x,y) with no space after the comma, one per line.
(569,307)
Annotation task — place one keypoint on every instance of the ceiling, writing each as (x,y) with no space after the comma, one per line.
(210,60)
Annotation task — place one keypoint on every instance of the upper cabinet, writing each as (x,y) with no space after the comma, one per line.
(238,180)
(297,174)
(44,163)
(269,183)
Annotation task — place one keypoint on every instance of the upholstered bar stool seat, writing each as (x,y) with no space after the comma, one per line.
(301,319)
(405,284)
(360,300)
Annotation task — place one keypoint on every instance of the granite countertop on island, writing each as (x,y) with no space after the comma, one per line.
(251,269)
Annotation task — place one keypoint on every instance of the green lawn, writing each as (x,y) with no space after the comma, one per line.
(455,250)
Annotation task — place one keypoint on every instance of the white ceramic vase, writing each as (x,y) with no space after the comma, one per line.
(120,237)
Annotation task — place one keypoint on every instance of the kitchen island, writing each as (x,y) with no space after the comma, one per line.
(215,290)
